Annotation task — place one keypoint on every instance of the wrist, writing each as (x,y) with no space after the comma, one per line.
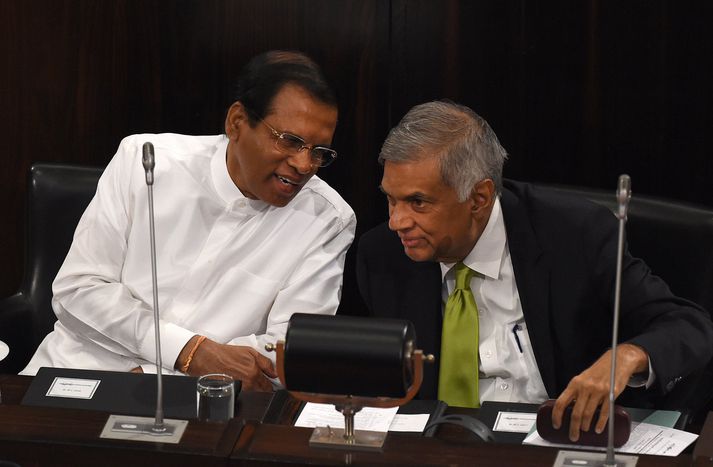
(187,354)
(633,357)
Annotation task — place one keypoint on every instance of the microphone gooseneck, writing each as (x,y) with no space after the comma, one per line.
(623,196)
(148,161)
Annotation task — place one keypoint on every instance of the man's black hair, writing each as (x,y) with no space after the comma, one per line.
(265,75)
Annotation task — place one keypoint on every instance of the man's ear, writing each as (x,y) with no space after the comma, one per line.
(482,198)
(234,120)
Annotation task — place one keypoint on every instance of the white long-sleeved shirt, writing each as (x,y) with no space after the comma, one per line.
(230,268)
(509,372)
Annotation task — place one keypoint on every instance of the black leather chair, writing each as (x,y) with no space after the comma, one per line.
(675,239)
(57,196)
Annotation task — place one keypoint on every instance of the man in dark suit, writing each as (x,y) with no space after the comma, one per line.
(540,268)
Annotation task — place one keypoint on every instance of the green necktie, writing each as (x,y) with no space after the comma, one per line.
(458,378)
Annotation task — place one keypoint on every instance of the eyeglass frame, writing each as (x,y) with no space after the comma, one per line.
(281,135)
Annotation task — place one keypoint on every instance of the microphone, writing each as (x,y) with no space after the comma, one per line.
(617,415)
(142,428)
(623,196)
(148,160)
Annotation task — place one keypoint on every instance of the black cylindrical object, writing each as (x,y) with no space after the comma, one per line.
(348,355)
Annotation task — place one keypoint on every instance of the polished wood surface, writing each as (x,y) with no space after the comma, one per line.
(52,436)
(264,444)
(36,436)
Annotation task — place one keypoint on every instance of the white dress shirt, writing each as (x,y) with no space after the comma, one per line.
(508,370)
(230,268)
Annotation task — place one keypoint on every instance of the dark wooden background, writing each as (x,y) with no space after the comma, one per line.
(578,91)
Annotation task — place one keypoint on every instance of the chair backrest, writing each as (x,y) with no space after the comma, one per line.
(57,196)
(675,239)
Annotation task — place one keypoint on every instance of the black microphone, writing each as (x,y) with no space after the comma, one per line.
(149,162)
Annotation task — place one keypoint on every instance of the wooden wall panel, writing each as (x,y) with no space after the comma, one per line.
(79,75)
(577,91)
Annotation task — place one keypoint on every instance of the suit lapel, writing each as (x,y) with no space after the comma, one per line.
(532,276)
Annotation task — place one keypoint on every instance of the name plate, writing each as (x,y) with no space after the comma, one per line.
(73,388)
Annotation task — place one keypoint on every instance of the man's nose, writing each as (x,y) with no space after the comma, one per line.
(398,219)
(302,162)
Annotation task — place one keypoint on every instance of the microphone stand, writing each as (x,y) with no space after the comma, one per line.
(623,197)
(148,161)
(567,458)
(143,428)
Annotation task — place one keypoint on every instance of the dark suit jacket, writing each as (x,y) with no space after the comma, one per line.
(563,252)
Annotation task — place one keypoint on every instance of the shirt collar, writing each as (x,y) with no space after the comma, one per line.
(224,185)
(487,254)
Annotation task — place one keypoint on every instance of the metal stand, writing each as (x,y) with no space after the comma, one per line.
(591,459)
(349,438)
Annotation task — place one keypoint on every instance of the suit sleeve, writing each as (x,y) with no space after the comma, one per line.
(674,332)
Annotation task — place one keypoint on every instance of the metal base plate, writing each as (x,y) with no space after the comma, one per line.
(591,459)
(142,429)
(327,437)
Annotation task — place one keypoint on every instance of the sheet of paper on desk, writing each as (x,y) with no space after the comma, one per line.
(368,418)
(645,439)
(413,423)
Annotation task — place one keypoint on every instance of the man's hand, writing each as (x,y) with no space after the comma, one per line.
(240,362)
(590,389)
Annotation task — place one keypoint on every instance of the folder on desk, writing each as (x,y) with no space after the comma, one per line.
(116,392)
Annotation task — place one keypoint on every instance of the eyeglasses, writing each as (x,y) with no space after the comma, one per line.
(287,143)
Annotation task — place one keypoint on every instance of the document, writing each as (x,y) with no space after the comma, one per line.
(368,418)
(413,423)
(645,438)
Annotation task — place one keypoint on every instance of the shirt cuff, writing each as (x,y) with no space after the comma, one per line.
(173,339)
(639,380)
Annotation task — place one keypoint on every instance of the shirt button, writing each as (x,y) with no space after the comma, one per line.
(488,354)
(504,386)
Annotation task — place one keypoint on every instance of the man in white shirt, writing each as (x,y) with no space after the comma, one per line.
(531,313)
(246,235)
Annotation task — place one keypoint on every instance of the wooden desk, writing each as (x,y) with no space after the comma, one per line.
(271,445)
(37,436)
(50,436)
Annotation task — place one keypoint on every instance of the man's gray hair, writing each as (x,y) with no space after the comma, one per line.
(468,149)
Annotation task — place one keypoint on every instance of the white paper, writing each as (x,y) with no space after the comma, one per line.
(645,439)
(75,388)
(515,422)
(409,422)
(368,418)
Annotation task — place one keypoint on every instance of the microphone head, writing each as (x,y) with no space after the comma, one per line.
(148,160)
(623,192)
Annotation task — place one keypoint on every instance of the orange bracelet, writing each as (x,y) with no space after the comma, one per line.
(184,368)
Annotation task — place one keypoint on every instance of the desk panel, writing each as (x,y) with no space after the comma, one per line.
(271,445)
